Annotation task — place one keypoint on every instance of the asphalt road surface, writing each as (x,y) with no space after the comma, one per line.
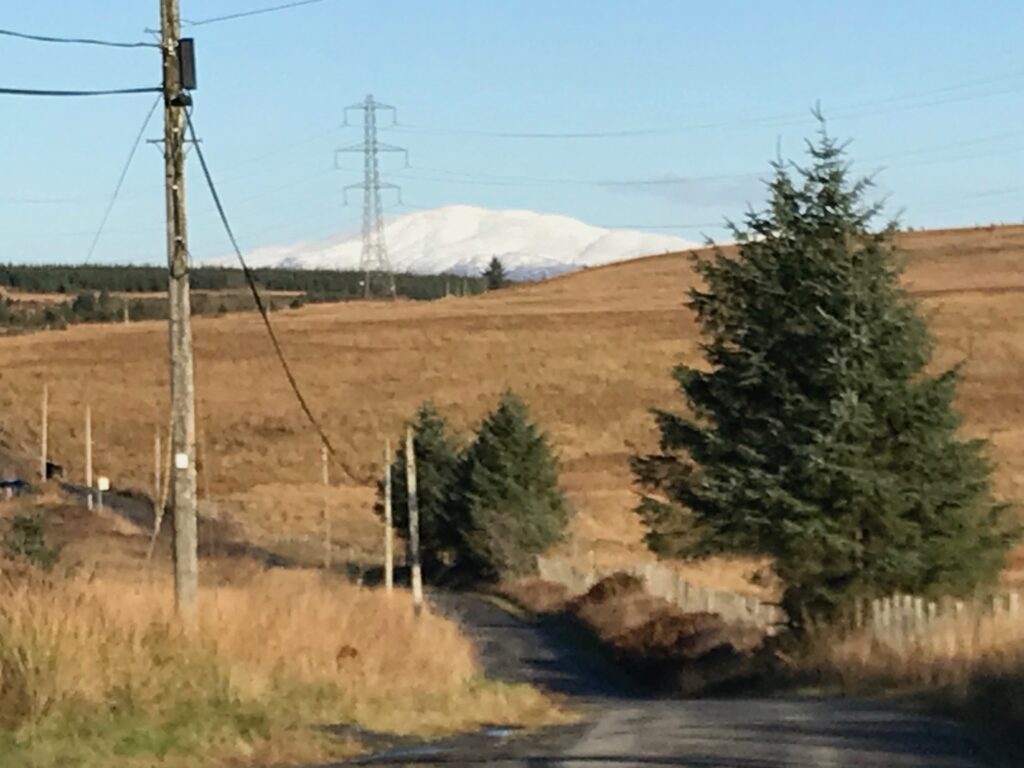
(621,728)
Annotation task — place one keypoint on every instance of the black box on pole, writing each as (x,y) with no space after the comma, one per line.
(187,63)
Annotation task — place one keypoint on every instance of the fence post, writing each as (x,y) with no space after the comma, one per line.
(102,485)
(962,626)
(88,456)
(326,479)
(158,457)
(414,521)
(44,434)
(389,557)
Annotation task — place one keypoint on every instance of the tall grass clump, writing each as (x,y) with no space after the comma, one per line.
(96,669)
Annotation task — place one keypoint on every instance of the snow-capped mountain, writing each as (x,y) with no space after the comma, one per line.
(462,239)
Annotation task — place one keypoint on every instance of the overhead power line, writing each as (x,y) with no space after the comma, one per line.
(243,14)
(75,40)
(120,179)
(257,298)
(486,179)
(965,91)
(111,92)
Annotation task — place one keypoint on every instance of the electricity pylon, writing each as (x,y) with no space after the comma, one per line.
(373,262)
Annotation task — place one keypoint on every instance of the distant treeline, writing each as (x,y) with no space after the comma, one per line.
(97,294)
(322,284)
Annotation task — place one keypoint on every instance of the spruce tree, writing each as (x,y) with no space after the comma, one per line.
(495,274)
(513,508)
(816,433)
(437,474)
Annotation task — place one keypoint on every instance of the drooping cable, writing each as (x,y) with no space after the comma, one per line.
(243,14)
(121,178)
(258,299)
(75,40)
(110,92)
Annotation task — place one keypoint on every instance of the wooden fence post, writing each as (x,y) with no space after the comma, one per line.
(43,448)
(389,555)
(157,466)
(414,521)
(326,478)
(88,457)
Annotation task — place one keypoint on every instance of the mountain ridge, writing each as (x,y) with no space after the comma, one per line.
(462,239)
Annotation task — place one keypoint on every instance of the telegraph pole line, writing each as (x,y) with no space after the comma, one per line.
(389,555)
(373,261)
(158,456)
(416,573)
(88,456)
(45,435)
(183,418)
(326,479)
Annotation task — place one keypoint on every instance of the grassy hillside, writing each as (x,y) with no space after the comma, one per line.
(590,352)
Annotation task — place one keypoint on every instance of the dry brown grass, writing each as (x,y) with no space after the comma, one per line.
(94,667)
(591,353)
(92,663)
(972,669)
(950,653)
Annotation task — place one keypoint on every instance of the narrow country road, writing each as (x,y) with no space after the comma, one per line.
(619,728)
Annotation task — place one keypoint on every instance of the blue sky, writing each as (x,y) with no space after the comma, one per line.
(701,94)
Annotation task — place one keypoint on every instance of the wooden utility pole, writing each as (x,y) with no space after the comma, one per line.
(158,460)
(414,522)
(326,478)
(45,430)
(389,552)
(183,418)
(88,455)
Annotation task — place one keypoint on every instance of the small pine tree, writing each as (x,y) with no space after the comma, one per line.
(84,305)
(495,274)
(817,436)
(512,506)
(437,472)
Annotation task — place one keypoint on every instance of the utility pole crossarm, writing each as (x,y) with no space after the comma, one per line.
(370,103)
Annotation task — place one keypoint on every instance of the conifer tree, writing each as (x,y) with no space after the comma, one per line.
(437,474)
(816,434)
(513,508)
(495,274)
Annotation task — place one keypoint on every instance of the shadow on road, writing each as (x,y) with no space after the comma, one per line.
(547,652)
